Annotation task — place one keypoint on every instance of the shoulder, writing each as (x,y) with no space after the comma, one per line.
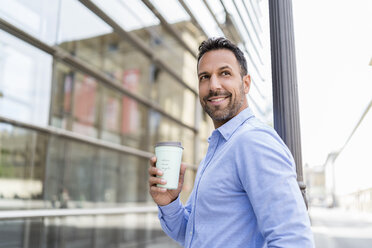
(253,131)
(256,140)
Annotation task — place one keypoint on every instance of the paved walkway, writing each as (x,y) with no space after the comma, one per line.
(342,229)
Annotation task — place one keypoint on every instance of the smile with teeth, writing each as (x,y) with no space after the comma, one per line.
(217,100)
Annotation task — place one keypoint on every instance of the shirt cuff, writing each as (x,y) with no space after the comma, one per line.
(170,209)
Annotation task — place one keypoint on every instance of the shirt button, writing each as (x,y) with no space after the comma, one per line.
(190,233)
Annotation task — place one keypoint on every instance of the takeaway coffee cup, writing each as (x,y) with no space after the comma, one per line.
(169,156)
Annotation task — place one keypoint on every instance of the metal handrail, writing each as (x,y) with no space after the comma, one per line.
(43,213)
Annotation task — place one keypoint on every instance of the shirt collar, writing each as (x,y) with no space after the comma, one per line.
(227,129)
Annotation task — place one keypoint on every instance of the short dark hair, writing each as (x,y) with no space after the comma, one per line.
(222,43)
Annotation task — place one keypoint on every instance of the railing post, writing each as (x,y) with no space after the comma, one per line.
(284,80)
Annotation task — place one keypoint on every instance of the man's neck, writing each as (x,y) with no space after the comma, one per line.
(218,124)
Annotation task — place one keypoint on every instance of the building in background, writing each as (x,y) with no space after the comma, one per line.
(86,89)
(315,183)
(348,184)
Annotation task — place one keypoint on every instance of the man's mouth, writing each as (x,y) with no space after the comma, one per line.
(215,100)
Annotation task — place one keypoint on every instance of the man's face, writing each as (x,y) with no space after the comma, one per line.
(221,87)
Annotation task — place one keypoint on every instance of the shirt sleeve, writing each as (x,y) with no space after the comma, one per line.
(267,172)
(174,218)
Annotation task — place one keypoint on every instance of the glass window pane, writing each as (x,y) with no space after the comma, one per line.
(132,184)
(22,167)
(76,98)
(111,116)
(86,97)
(55,167)
(77,22)
(134,126)
(122,61)
(69,178)
(37,17)
(11,233)
(83,105)
(130,230)
(105,178)
(77,183)
(25,74)
(136,13)
(117,58)
(81,175)
(174,98)
(177,14)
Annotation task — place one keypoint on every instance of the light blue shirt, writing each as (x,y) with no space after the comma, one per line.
(245,193)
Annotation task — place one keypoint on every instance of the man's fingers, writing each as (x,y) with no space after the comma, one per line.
(182,172)
(153,161)
(183,168)
(153,171)
(156,180)
(158,189)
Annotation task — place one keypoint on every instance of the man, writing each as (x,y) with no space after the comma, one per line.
(245,192)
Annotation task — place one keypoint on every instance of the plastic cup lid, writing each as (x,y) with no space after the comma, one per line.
(169,143)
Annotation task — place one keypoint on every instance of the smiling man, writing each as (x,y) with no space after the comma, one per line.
(245,192)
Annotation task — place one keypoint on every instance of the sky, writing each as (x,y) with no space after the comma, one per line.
(333,49)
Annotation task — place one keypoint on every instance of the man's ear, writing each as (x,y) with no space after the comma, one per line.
(247,83)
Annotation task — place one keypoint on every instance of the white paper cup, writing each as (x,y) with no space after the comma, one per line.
(169,157)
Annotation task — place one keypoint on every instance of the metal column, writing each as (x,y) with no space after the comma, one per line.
(284,77)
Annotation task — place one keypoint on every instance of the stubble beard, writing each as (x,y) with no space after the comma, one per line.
(228,112)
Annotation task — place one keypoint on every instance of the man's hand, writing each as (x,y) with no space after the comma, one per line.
(163,196)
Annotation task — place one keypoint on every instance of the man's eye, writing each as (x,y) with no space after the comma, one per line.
(225,73)
(203,77)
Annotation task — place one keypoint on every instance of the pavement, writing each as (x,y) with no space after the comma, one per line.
(333,227)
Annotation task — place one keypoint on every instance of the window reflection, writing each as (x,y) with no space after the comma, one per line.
(81,175)
(37,17)
(77,22)
(111,116)
(42,171)
(130,230)
(118,59)
(174,98)
(22,167)
(81,104)
(25,74)
(86,97)
(130,188)
(106,177)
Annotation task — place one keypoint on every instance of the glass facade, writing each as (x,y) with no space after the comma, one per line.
(86,90)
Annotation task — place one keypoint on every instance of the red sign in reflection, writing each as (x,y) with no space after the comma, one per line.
(85,99)
(67,93)
(130,108)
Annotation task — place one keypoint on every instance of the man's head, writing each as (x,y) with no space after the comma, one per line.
(223,43)
(223,79)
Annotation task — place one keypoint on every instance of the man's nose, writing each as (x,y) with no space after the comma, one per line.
(214,83)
